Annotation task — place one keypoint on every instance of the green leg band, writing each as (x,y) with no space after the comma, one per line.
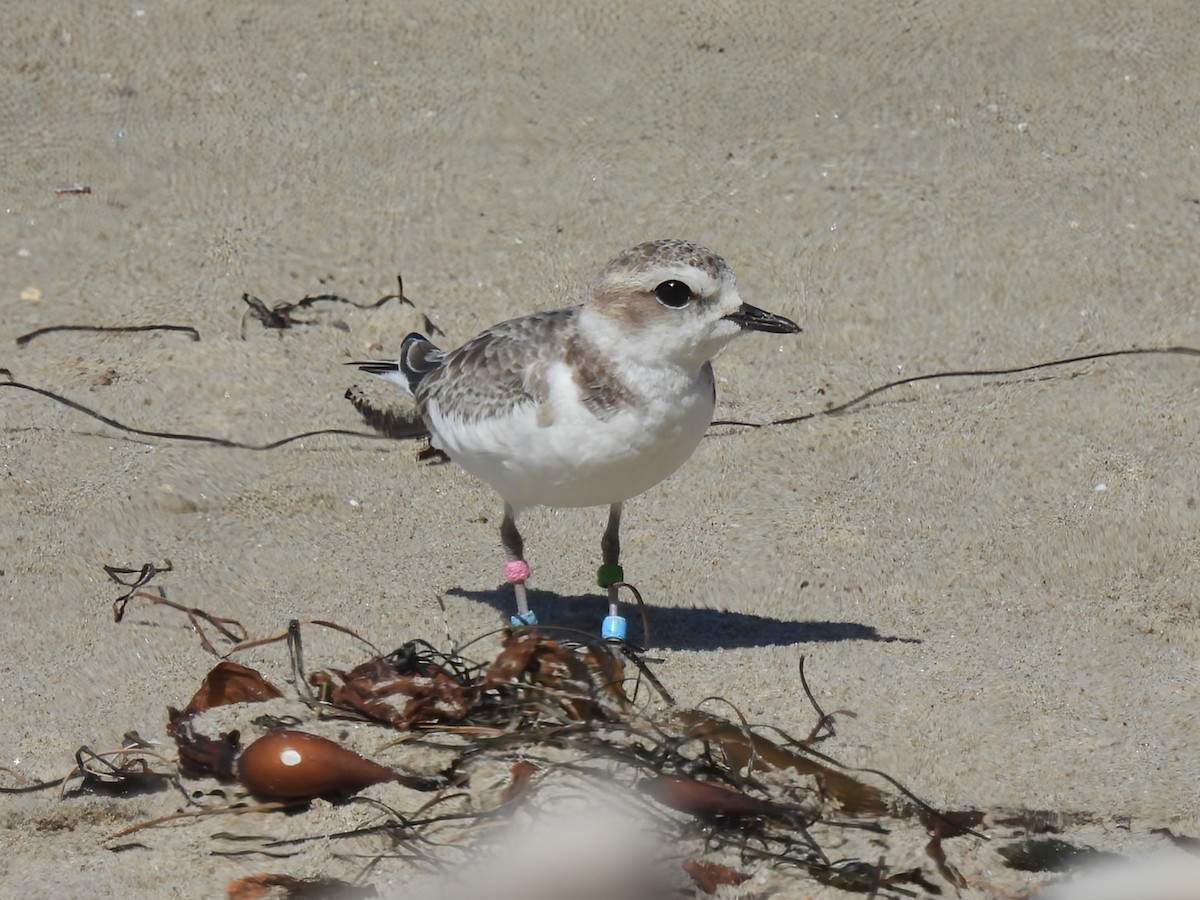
(608,575)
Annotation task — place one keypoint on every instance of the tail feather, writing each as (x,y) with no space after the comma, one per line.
(418,357)
(376,366)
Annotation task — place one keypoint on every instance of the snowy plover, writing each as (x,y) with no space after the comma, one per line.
(586,406)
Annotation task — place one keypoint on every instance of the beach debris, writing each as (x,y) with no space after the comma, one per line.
(108,329)
(275,886)
(710,876)
(1050,855)
(282,315)
(411,688)
(547,723)
(403,689)
(129,769)
(231,629)
(1041,821)
(295,766)
(863,877)
(8,381)
(524,777)
(833,409)
(201,756)
(227,682)
(714,802)
(141,576)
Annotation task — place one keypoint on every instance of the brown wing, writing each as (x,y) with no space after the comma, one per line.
(503,367)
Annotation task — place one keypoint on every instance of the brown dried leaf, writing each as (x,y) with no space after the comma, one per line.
(514,660)
(285,887)
(742,748)
(522,780)
(707,800)
(227,682)
(709,876)
(376,687)
(201,756)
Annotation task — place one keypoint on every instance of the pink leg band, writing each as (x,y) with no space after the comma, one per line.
(516,571)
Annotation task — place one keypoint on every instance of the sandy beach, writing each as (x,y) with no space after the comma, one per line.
(998,576)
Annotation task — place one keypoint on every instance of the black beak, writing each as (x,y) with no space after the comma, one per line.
(751,318)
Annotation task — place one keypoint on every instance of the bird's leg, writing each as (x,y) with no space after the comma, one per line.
(610,548)
(516,570)
(610,574)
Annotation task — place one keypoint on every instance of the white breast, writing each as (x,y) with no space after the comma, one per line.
(561,454)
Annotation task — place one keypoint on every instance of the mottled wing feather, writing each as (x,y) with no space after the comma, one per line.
(504,367)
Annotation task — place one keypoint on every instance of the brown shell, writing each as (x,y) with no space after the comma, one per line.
(297,766)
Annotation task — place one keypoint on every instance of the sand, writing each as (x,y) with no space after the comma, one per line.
(999,576)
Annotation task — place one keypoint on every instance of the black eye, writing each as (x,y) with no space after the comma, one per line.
(674,294)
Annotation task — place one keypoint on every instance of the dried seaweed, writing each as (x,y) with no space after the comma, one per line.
(1050,855)
(124,771)
(231,629)
(141,576)
(730,782)
(560,719)
(710,876)
(282,315)
(390,425)
(108,329)
(538,694)
(227,682)
(10,382)
(285,887)
(836,409)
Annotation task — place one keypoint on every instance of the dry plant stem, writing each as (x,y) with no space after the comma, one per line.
(824,722)
(280,315)
(108,329)
(420,433)
(20,777)
(181,436)
(566,704)
(132,753)
(232,629)
(965,373)
(637,596)
(199,814)
(293,628)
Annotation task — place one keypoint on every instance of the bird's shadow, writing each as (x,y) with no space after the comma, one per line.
(679,628)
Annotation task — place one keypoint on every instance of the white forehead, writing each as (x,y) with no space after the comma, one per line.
(701,281)
(648,265)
